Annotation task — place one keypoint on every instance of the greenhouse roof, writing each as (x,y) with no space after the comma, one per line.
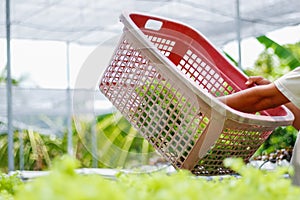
(93,22)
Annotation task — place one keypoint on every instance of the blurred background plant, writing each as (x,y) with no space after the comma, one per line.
(35,151)
(275,60)
(14,81)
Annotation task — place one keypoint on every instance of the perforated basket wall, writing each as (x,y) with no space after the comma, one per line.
(164,77)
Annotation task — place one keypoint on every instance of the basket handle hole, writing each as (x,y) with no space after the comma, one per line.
(153,24)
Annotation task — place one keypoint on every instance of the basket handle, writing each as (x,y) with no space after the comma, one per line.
(143,21)
(153,24)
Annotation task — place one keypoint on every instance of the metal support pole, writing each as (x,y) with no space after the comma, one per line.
(69,104)
(238,31)
(9,93)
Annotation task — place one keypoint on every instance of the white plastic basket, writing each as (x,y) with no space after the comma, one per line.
(164,77)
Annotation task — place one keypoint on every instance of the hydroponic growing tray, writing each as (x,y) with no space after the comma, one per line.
(165,77)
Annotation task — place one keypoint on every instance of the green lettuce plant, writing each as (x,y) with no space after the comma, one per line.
(252,184)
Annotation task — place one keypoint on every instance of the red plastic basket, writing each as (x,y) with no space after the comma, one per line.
(164,77)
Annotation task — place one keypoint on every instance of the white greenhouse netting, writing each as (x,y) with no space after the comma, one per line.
(94,21)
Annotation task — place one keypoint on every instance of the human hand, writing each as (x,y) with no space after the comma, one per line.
(257,80)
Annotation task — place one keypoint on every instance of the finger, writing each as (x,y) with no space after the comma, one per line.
(249,82)
(252,79)
(256,80)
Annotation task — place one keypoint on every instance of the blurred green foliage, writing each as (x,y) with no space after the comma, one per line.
(113,132)
(64,183)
